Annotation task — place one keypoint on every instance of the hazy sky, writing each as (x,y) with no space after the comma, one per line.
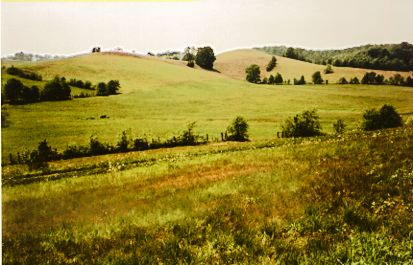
(65,28)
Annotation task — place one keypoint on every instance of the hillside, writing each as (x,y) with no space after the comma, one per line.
(159,98)
(234,63)
(397,57)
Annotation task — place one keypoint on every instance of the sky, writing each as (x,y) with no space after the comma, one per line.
(73,27)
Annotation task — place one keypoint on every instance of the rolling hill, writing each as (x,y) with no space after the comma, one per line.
(316,200)
(159,97)
(233,64)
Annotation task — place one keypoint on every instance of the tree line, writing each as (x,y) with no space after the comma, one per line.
(397,57)
(305,124)
(23,73)
(15,92)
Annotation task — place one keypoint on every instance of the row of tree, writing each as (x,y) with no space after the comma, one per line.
(15,92)
(373,78)
(81,84)
(23,73)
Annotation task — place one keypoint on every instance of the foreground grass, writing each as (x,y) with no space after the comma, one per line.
(323,200)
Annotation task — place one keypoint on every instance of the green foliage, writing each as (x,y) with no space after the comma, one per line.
(113,87)
(278,79)
(23,73)
(398,57)
(189,55)
(372,78)
(386,117)
(238,130)
(328,70)
(190,64)
(102,89)
(306,124)
(271,64)
(339,126)
(317,79)
(205,58)
(300,81)
(354,81)
(253,74)
(342,81)
(57,89)
(17,93)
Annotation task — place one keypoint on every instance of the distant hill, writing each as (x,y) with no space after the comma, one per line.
(397,57)
(233,64)
(29,57)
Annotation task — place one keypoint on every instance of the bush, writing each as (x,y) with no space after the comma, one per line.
(386,117)
(301,81)
(302,125)
(328,70)
(342,81)
(317,78)
(372,79)
(113,87)
(57,89)
(278,79)
(354,81)
(253,74)
(23,74)
(205,58)
(190,64)
(272,63)
(102,90)
(238,129)
(339,126)
(16,92)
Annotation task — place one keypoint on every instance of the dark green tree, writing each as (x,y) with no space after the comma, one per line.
(317,79)
(102,89)
(113,87)
(57,89)
(342,81)
(238,130)
(278,79)
(302,125)
(272,63)
(253,73)
(328,70)
(205,58)
(386,117)
(13,90)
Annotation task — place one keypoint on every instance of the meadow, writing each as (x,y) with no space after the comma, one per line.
(331,199)
(160,97)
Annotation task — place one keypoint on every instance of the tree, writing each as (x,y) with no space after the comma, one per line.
(317,78)
(57,89)
(189,54)
(290,53)
(386,117)
(113,87)
(238,129)
(328,69)
(354,81)
(102,90)
(301,81)
(12,90)
(271,80)
(302,125)
(342,81)
(253,73)
(278,79)
(271,64)
(205,58)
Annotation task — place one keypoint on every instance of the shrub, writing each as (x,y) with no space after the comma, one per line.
(96,147)
(238,129)
(253,74)
(102,90)
(190,64)
(372,79)
(57,89)
(342,81)
(386,117)
(188,137)
(113,87)
(354,81)
(272,63)
(123,142)
(23,74)
(301,81)
(328,70)
(339,126)
(317,78)
(302,125)
(205,58)
(278,79)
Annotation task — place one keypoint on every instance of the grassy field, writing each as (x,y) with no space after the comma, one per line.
(159,97)
(233,64)
(302,201)
(325,200)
